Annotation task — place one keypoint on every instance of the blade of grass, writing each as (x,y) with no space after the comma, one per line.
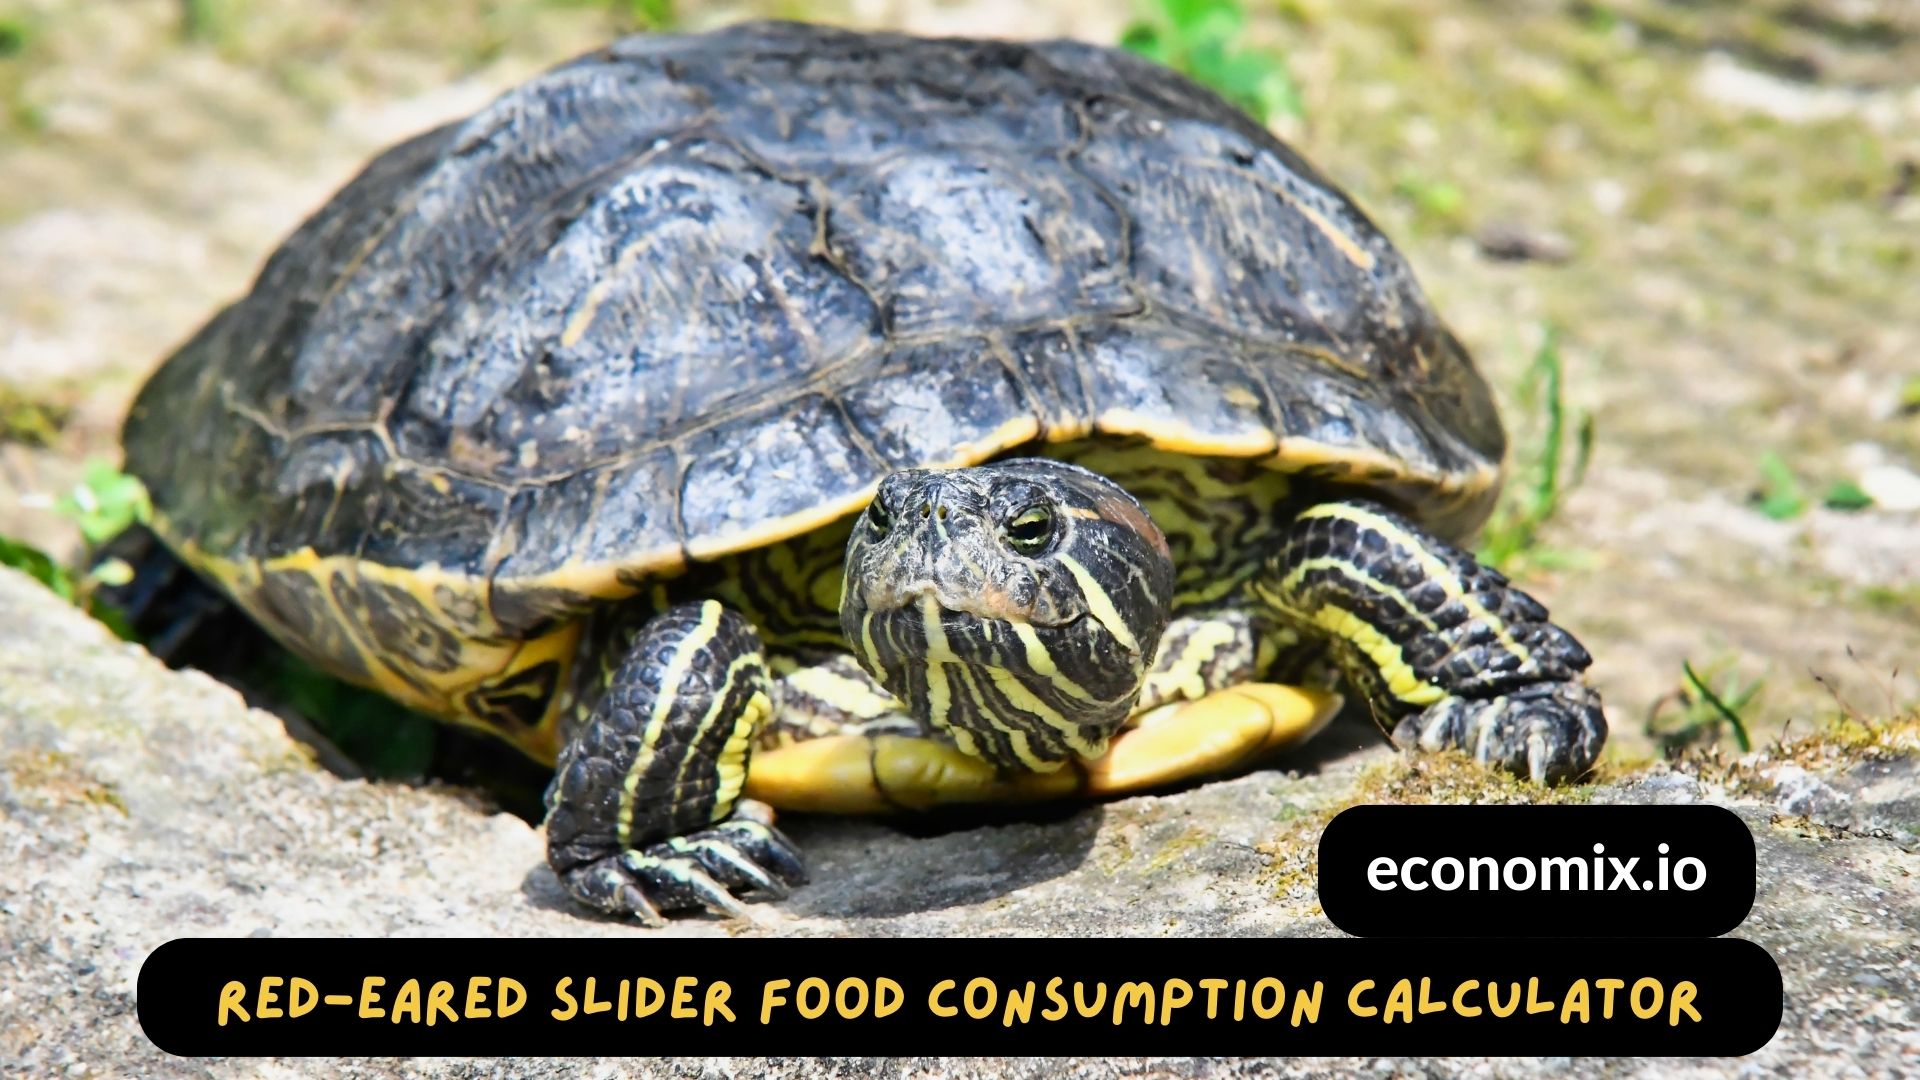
(1727,712)
(1546,491)
(1780,495)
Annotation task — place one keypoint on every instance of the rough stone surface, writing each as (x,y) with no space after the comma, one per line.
(138,805)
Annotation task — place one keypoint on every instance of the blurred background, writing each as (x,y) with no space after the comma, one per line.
(1682,237)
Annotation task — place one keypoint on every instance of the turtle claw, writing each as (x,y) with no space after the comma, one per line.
(748,845)
(763,846)
(719,860)
(1546,732)
(703,870)
(634,901)
(678,881)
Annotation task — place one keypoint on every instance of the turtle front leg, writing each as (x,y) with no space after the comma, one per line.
(1445,650)
(644,813)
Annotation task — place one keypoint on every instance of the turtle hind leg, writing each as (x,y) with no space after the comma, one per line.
(1447,653)
(644,812)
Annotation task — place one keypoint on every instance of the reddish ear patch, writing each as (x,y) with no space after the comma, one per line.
(1127,513)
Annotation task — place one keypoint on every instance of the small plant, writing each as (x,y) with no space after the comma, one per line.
(658,16)
(1440,200)
(1703,712)
(105,502)
(210,22)
(1782,498)
(1545,476)
(39,566)
(1899,600)
(652,14)
(1847,495)
(16,33)
(20,34)
(1200,39)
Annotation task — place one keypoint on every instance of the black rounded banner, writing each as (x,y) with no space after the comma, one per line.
(1246,996)
(1537,871)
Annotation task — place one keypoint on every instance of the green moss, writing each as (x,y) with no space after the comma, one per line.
(1902,601)
(55,780)
(1450,778)
(1175,850)
(1293,868)
(1844,740)
(34,419)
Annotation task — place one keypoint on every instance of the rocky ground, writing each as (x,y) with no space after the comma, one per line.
(139,804)
(1716,204)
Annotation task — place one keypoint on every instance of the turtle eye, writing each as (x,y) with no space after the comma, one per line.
(1030,530)
(878,519)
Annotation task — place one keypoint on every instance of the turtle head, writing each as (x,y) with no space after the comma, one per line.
(1014,605)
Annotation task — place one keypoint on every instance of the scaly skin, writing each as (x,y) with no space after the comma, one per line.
(1447,653)
(643,807)
(1016,612)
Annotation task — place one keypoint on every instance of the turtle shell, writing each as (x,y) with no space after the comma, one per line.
(688,295)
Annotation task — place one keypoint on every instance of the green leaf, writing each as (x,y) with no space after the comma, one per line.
(37,565)
(1200,38)
(111,573)
(1145,39)
(105,502)
(14,36)
(1253,78)
(653,14)
(114,619)
(1551,373)
(1846,495)
(1910,395)
(1441,199)
(1780,495)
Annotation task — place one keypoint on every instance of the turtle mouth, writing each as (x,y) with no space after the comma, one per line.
(988,605)
(928,628)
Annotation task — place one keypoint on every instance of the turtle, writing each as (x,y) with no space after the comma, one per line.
(787,417)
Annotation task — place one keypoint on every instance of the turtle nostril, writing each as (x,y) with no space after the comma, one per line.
(943,512)
(926,509)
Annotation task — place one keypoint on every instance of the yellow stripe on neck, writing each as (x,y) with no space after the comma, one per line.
(1100,605)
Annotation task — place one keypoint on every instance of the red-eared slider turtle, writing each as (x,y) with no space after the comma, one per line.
(947,419)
